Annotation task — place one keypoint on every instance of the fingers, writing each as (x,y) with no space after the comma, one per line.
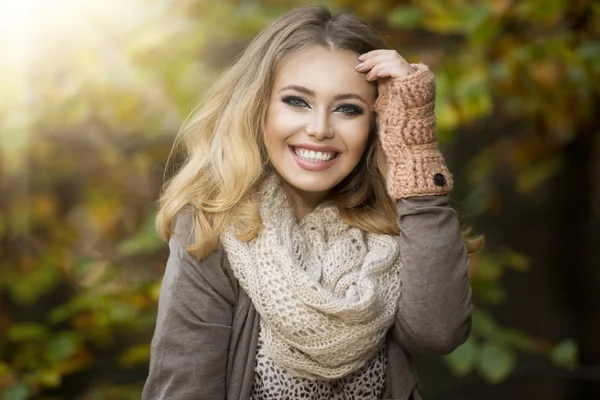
(383,64)
(379,52)
(377,56)
(372,60)
(382,70)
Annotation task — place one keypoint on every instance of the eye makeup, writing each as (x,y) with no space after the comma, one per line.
(350,109)
(295,101)
(346,109)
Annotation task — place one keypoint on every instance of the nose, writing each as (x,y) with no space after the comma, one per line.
(319,126)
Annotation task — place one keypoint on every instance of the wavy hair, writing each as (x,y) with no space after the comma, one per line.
(225,156)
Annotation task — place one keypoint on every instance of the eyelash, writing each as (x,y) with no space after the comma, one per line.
(295,101)
(354,110)
(299,102)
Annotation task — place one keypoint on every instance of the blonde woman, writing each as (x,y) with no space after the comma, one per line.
(312,248)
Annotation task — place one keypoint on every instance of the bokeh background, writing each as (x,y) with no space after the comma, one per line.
(93,92)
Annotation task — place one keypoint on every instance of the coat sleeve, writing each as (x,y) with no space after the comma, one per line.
(189,348)
(434,316)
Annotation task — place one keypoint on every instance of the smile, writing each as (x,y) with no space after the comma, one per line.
(314,156)
(312,160)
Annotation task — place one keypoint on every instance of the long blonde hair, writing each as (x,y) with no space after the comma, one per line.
(225,156)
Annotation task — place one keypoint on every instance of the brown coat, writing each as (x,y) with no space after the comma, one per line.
(204,346)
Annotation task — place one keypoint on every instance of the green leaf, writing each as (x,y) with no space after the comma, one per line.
(136,355)
(534,175)
(485,33)
(4,369)
(565,354)
(490,268)
(28,288)
(544,11)
(17,392)
(49,378)
(462,360)
(26,331)
(121,313)
(517,261)
(82,267)
(62,347)
(481,167)
(489,292)
(483,323)
(144,241)
(496,362)
(519,340)
(407,17)
(475,17)
(441,16)
(472,91)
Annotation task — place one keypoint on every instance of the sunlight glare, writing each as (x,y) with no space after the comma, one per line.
(28,27)
(39,40)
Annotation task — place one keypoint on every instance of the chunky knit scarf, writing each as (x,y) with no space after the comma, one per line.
(326,292)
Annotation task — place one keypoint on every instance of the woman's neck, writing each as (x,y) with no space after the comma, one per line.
(302,202)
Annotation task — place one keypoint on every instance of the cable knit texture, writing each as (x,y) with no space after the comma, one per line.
(406,126)
(326,292)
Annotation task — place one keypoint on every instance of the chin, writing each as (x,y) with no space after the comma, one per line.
(312,183)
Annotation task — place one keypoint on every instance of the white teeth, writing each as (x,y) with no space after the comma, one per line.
(314,156)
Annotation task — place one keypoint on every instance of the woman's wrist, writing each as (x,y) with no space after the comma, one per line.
(406,124)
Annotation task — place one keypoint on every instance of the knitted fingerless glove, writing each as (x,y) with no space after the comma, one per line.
(406,126)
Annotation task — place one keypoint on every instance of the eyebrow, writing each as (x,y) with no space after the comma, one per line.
(308,92)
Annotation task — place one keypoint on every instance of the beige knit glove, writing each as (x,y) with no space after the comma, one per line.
(406,126)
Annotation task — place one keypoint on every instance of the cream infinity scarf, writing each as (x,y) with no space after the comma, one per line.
(326,292)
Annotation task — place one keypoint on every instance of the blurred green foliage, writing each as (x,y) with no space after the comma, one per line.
(88,116)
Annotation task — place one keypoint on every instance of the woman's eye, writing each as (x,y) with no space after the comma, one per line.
(350,109)
(295,101)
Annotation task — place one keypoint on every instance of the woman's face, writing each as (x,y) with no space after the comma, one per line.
(318,118)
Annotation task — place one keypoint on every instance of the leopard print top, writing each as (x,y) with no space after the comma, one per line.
(273,382)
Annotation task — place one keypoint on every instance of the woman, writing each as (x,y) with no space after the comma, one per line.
(312,246)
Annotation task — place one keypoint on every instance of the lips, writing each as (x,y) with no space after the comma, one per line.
(324,149)
(313,155)
(312,160)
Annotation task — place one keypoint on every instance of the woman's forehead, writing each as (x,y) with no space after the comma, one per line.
(323,70)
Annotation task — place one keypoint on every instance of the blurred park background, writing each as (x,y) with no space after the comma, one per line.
(93,92)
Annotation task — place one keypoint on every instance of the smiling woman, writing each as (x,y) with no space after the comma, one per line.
(312,244)
(315,135)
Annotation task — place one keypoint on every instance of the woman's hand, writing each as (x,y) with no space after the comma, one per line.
(382,64)
(405,109)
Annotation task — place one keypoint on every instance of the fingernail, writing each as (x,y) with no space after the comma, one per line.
(361,57)
(359,66)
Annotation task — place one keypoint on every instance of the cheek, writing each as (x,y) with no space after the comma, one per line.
(279,125)
(357,136)
(271,134)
